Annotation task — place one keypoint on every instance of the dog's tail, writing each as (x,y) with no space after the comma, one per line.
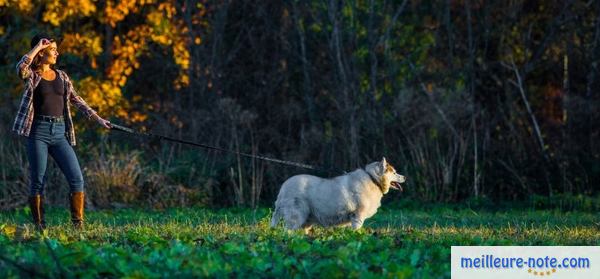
(276,217)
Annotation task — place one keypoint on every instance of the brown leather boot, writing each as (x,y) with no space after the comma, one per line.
(36,204)
(77,202)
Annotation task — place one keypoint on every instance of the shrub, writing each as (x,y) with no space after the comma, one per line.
(113,179)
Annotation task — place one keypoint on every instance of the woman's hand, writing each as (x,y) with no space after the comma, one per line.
(103,122)
(43,43)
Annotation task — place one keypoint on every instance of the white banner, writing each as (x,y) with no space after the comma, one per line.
(525,262)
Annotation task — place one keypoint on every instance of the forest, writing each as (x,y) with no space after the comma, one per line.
(477,101)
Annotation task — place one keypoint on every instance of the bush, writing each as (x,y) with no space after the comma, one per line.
(113,179)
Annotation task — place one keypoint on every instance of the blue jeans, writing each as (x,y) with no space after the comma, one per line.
(50,138)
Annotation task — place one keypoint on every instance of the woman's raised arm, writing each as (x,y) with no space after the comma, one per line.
(23,66)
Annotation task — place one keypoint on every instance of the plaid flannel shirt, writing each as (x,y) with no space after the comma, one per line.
(25,115)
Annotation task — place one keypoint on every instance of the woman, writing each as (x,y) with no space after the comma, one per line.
(44,117)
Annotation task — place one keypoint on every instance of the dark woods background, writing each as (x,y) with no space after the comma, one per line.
(471,100)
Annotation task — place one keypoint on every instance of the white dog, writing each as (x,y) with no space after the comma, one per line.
(305,200)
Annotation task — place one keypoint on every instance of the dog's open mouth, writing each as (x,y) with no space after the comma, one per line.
(396,185)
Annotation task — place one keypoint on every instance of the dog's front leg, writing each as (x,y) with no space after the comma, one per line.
(357,221)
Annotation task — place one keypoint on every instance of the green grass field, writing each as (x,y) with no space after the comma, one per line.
(238,242)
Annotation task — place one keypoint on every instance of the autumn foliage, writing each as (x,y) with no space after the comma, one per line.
(110,38)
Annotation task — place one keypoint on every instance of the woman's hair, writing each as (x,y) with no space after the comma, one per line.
(37,60)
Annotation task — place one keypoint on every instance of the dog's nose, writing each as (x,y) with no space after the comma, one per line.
(402,179)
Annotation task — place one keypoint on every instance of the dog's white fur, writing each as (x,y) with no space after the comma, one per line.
(305,200)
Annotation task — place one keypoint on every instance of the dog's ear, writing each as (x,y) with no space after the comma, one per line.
(384,165)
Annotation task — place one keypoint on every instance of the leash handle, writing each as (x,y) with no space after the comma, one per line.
(122,128)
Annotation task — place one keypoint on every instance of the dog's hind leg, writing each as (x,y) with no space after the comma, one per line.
(276,217)
(295,214)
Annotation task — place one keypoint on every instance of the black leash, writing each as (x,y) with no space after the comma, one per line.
(283,162)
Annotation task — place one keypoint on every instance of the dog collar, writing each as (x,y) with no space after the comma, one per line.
(375,181)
